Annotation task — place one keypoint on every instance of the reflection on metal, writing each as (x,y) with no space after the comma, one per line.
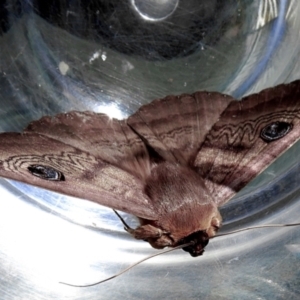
(112,110)
(294,248)
(154,10)
(261,57)
(266,12)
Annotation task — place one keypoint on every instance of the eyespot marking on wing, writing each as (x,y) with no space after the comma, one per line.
(275,131)
(46,172)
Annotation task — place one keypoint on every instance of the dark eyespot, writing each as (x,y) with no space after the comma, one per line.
(46,172)
(275,131)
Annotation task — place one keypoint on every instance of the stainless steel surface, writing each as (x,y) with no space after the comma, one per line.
(60,60)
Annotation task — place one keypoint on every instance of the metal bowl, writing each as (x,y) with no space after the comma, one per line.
(113,57)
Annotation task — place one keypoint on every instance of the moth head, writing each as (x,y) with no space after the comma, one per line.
(198,240)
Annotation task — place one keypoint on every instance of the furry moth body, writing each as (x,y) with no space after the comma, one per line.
(171,164)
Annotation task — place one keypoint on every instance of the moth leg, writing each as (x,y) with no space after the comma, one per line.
(156,237)
(162,242)
(126,226)
(145,232)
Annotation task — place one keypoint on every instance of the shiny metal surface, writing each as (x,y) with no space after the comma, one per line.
(58,60)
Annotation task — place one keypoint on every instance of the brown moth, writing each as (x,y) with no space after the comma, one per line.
(171,164)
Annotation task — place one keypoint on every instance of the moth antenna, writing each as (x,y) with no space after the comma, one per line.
(130,267)
(173,249)
(256,227)
(127,227)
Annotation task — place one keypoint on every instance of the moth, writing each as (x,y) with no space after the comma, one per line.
(172,164)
